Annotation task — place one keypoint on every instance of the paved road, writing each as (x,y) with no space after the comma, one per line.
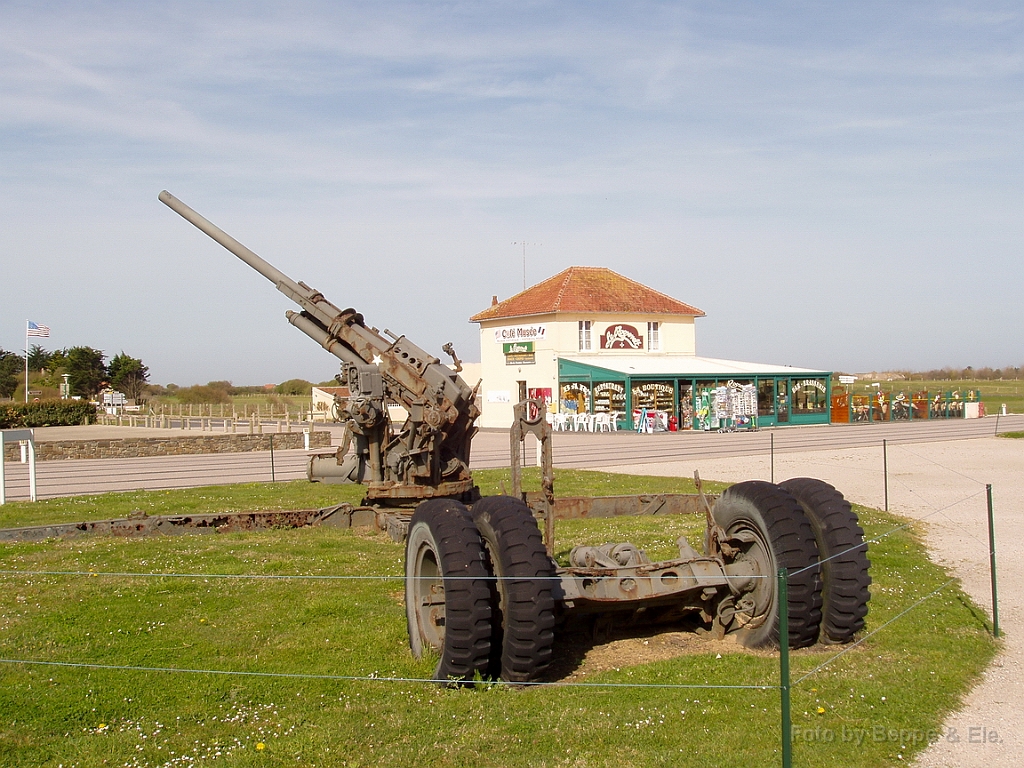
(73,478)
(584,450)
(490,450)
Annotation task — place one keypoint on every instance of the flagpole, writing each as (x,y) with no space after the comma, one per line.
(26,360)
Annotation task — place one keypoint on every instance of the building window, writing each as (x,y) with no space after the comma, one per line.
(584,335)
(652,337)
(808,396)
(574,397)
(610,397)
(766,397)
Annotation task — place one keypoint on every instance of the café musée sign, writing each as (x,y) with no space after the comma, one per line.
(520,333)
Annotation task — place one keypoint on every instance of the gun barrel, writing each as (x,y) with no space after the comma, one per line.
(323,338)
(284,283)
(431,457)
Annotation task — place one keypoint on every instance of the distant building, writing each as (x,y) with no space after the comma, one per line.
(326,405)
(589,340)
(322,403)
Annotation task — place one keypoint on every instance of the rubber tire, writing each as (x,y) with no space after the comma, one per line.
(523,592)
(841,547)
(784,539)
(443,543)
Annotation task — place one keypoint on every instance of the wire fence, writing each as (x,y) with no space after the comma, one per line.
(784,686)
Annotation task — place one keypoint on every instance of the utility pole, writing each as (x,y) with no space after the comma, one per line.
(524,244)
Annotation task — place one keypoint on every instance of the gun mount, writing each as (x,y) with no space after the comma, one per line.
(482,588)
(428,456)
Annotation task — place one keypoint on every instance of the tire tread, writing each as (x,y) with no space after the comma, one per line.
(523,631)
(468,609)
(845,569)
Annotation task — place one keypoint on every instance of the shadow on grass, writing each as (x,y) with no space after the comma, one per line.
(978,614)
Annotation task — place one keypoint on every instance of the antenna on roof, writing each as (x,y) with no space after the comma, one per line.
(524,244)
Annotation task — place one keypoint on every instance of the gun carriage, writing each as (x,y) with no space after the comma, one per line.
(483,591)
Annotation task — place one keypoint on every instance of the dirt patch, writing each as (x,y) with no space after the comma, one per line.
(578,656)
(615,654)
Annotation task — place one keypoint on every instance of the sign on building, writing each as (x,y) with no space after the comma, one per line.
(519,353)
(517,347)
(529,358)
(621,336)
(520,333)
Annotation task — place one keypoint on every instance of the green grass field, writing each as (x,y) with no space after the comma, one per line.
(316,671)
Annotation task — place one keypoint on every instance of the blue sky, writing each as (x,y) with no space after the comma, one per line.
(837,185)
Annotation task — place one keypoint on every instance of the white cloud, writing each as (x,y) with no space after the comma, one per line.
(771,142)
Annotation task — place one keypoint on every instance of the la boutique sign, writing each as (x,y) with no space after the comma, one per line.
(520,333)
(621,336)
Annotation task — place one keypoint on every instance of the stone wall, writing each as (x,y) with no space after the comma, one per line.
(132,447)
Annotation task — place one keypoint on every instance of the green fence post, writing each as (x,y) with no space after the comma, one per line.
(992,562)
(885,472)
(787,722)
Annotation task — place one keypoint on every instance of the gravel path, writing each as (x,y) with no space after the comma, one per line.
(942,484)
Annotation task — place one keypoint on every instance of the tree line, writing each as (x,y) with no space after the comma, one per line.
(215,392)
(961,374)
(86,369)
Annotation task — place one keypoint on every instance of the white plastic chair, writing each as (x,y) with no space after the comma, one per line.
(602,423)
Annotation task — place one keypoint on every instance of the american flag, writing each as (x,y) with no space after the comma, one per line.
(38,330)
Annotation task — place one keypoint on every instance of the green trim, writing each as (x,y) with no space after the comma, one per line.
(571,371)
(567,368)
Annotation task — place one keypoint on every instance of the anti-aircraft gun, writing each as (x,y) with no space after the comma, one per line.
(482,588)
(428,456)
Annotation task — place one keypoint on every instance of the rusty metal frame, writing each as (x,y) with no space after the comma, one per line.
(530,418)
(141,524)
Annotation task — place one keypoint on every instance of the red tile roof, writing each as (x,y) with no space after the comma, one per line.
(587,289)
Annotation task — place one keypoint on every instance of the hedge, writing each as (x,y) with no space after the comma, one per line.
(46,413)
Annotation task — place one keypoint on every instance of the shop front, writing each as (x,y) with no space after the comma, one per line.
(701,394)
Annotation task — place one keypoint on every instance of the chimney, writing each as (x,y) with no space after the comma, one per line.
(494,301)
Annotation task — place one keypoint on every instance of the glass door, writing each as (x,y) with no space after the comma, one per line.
(782,401)
(766,402)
